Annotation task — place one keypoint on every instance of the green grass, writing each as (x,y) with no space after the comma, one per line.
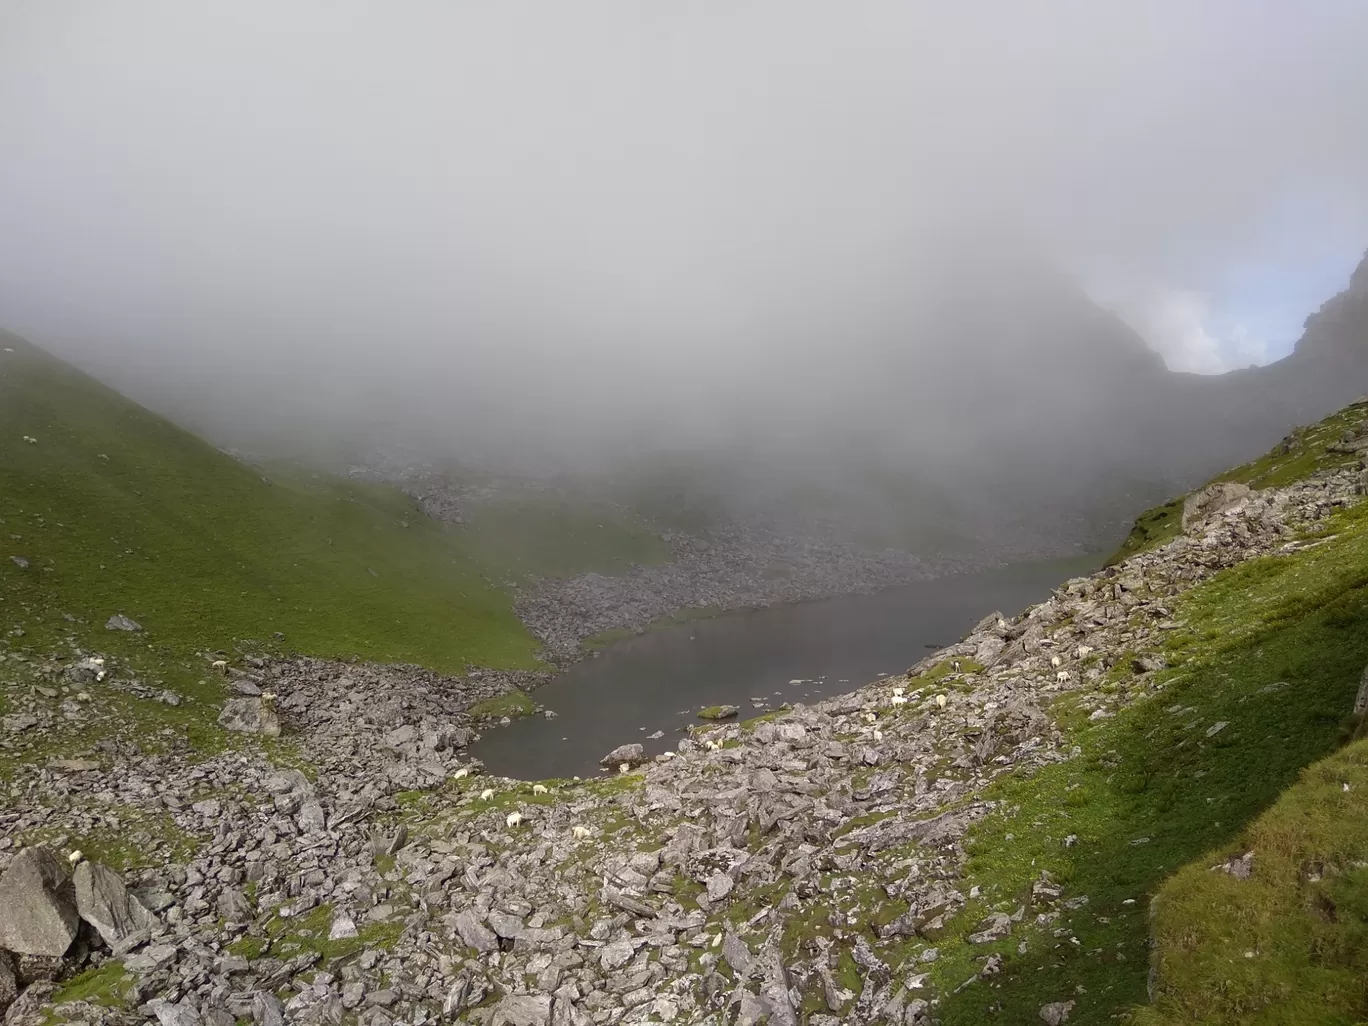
(1152,529)
(1288,945)
(511,704)
(1273,648)
(107,985)
(119,510)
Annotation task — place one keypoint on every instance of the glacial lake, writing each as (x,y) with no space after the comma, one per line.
(657,682)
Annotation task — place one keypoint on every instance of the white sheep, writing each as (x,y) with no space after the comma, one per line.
(580,832)
(878,735)
(897,700)
(221,665)
(486,794)
(955,665)
(1083,650)
(899,692)
(941,700)
(1055,661)
(31,440)
(1063,676)
(625,767)
(539,789)
(461,773)
(514,818)
(712,746)
(871,717)
(75,857)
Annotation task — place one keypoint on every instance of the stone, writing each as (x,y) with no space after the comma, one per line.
(616,955)
(119,622)
(250,716)
(1211,501)
(267,1009)
(39,904)
(736,953)
(343,927)
(103,901)
(151,959)
(311,818)
(995,927)
(523,1010)
(632,755)
(1056,1013)
(178,1014)
(9,981)
(719,712)
(719,886)
(20,562)
(473,933)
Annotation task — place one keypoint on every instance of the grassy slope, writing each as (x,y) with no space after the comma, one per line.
(1300,454)
(1274,649)
(116,509)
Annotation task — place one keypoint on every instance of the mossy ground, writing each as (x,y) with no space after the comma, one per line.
(511,704)
(1272,649)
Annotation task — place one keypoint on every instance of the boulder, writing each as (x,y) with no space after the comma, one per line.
(718,712)
(119,622)
(473,933)
(632,755)
(250,716)
(523,1010)
(1361,699)
(39,906)
(1056,1013)
(104,903)
(1212,500)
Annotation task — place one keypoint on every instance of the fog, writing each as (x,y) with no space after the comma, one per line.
(546,230)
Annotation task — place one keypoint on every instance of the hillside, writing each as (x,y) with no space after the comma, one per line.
(978,840)
(110,509)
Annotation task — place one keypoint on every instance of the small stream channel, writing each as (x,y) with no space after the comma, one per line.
(756,660)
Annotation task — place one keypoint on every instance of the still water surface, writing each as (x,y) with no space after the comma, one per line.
(792,653)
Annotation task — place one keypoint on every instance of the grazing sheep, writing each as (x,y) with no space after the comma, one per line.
(514,818)
(486,794)
(461,773)
(955,665)
(625,767)
(221,665)
(1083,650)
(1055,661)
(898,692)
(878,735)
(580,832)
(539,789)
(712,746)
(75,857)
(941,700)
(1062,676)
(897,700)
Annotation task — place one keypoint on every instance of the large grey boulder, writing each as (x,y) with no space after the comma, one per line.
(251,716)
(37,906)
(632,755)
(103,901)
(1212,500)
(473,933)
(523,1010)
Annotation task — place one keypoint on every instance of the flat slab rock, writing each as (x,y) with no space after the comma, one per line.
(39,904)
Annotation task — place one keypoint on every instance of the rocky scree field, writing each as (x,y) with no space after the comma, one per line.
(1098,807)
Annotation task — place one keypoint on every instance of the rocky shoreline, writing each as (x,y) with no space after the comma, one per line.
(361,869)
